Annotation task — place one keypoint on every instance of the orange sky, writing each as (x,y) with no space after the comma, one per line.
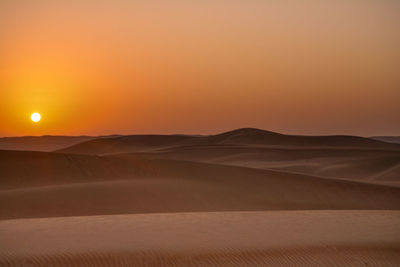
(104,67)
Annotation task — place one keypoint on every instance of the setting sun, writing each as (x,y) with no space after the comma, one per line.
(35,117)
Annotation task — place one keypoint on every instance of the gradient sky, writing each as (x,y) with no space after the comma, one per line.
(102,67)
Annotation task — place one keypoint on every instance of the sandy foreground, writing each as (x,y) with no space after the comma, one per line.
(268,238)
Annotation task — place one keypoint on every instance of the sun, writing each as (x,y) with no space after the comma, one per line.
(35,117)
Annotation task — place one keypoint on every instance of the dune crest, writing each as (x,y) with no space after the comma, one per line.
(243,136)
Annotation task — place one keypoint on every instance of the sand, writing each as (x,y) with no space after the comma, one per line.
(388,139)
(41,143)
(340,157)
(280,238)
(38,184)
(243,198)
(374,166)
(46,143)
(239,137)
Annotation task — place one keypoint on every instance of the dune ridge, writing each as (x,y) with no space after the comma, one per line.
(244,136)
(341,157)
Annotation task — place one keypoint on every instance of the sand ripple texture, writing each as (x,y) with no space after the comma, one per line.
(272,238)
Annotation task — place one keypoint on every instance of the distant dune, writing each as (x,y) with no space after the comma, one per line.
(126,144)
(245,136)
(44,143)
(343,157)
(280,238)
(41,143)
(389,139)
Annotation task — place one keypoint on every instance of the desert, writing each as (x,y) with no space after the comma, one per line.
(199,133)
(231,199)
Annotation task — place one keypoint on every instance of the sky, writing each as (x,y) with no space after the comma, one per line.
(100,67)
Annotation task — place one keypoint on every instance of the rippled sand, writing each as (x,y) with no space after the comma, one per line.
(280,238)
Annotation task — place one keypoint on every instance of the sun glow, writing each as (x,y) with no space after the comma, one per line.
(35,117)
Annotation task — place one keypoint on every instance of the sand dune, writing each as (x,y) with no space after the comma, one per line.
(42,143)
(243,198)
(245,136)
(294,238)
(388,139)
(126,144)
(342,157)
(262,137)
(358,164)
(35,184)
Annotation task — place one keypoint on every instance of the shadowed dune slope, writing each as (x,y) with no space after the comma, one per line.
(281,238)
(35,184)
(125,144)
(245,136)
(343,157)
(366,165)
(388,139)
(19,169)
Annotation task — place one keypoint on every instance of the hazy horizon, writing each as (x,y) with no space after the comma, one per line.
(194,134)
(199,67)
